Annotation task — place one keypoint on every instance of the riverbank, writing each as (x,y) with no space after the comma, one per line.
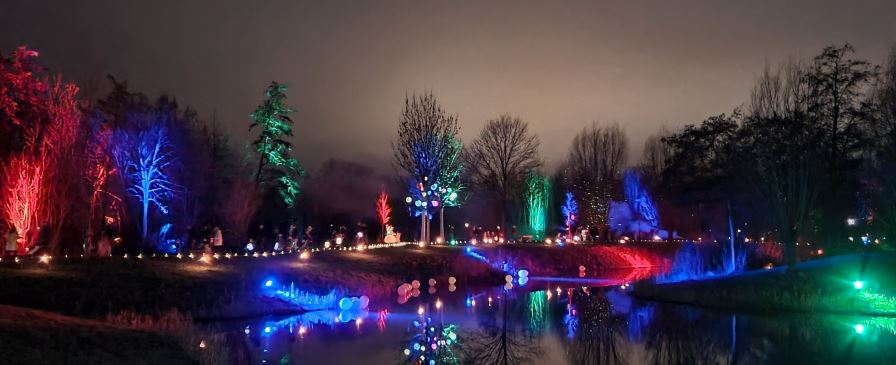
(860,284)
(38,337)
(224,288)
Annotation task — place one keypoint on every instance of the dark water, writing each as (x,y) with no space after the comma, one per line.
(555,323)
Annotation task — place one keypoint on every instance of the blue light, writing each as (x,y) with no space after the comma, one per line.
(523,280)
(267,329)
(269,283)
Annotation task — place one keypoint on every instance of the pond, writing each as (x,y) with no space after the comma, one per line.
(557,322)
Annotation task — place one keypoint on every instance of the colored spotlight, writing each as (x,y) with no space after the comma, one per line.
(858,284)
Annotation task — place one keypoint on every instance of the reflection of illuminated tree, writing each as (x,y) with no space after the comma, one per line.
(432,343)
(595,338)
(500,343)
(538,313)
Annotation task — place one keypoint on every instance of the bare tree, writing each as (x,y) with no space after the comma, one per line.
(427,147)
(656,156)
(500,158)
(596,159)
(237,211)
(780,93)
(779,153)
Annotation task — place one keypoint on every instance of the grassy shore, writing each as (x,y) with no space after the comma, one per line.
(861,284)
(37,337)
(224,288)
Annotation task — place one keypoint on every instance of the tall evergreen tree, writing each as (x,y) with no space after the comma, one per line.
(274,160)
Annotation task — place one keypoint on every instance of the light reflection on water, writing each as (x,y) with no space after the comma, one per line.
(554,323)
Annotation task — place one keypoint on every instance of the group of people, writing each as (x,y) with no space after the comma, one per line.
(12,241)
(209,239)
(262,239)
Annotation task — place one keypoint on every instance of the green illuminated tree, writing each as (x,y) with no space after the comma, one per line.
(537,198)
(275,164)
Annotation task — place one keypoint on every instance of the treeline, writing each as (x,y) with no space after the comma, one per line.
(809,157)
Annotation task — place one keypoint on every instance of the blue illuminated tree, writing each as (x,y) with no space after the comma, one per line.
(144,159)
(569,210)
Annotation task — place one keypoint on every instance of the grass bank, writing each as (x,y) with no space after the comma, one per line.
(859,284)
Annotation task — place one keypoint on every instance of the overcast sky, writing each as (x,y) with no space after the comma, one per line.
(559,66)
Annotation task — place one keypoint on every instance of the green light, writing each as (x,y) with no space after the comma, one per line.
(860,329)
(858,284)
(537,195)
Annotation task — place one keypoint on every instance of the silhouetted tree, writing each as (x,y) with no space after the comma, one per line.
(596,159)
(500,158)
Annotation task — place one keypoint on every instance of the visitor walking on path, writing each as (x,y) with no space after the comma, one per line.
(217,239)
(12,238)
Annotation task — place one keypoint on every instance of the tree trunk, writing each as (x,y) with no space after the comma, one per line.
(789,242)
(422,227)
(731,241)
(145,229)
(442,223)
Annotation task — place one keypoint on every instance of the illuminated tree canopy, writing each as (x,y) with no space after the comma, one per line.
(428,151)
(39,124)
(275,163)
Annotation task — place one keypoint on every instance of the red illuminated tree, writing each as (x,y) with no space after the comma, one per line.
(39,121)
(383,210)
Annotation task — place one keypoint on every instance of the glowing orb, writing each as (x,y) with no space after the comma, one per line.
(508,278)
(858,284)
(860,329)
(432,282)
(452,280)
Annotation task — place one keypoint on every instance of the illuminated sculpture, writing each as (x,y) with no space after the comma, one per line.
(638,214)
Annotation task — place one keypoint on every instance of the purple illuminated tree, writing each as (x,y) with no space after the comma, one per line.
(144,158)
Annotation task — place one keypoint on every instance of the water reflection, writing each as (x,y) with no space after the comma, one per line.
(549,323)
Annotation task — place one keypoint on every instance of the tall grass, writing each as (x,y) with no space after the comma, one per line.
(202,346)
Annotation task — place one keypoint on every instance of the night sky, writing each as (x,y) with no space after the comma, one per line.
(349,65)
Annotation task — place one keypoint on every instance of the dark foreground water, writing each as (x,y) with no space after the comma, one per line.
(556,323)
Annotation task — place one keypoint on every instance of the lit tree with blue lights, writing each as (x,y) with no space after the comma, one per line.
(569,210)
(275,163)
(428,151)
(144,160)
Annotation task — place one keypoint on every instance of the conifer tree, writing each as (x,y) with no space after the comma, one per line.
(275,164)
